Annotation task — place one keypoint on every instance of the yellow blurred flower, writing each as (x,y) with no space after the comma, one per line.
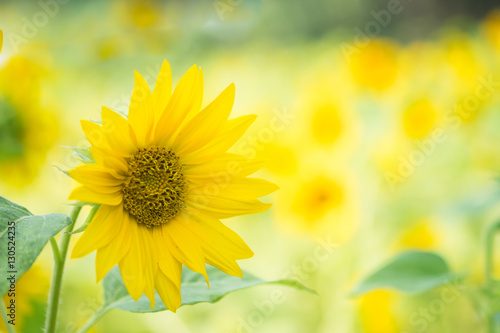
(461,55)
(419,119)
(27,130)
(142,14)
(326,115)
(318,199)
(32,286)
(376,65)
(491,27)
(376,310)
(422,235)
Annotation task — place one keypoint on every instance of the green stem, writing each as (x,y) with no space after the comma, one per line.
(59,261)
(93,320)
(89,219)
(3,311)
(55,249)
(490,280)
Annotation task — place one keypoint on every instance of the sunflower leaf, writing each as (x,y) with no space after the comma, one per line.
(193,289)
(25,235)
(410,272)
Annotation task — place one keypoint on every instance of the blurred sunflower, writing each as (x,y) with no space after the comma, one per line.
(461,55)
(32,287)
(376,65)
(376,310)
(326,115)
(419,119)
(491,27)
(160,206)
(319,200)
(422,236)
(27,131)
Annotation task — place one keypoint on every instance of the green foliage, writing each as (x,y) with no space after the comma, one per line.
(26,240)
(411,272)
(11,130)
(193,289)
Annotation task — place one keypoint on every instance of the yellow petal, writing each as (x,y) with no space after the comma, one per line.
(141,112)
(151,262)
(169,291)
(222,169)
(93,132)
(118,132)
(101,230)
(85,194)
(116,165)
(163,89)
(133,264)
(232,132)
(110,255)
(184,246)
(245,189)
(1,40)
(216,253)
(223,207)
(170,266)
(206,124)
(185,101)
(211,230)
(94,174)
(221,261)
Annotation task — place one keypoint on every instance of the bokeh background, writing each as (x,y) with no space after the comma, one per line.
(380,120)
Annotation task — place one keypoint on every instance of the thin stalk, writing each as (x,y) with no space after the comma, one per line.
(55,286)
(490,280)
(93,320)
(55,249)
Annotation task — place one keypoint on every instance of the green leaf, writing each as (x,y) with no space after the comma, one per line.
(411,272)
(10,211)
(89,218)
(31,235)
(193,289)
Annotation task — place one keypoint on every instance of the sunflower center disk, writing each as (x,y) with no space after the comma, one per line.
(154,191)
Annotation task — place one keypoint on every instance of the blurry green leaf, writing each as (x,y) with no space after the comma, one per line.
(11,130)
(31,235)
(193,289)
(83,154)
(412,272)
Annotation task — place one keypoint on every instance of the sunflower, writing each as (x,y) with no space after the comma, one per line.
(27,129)
(376,65)
(164,179)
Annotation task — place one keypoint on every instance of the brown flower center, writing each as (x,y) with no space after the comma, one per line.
(154,190)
